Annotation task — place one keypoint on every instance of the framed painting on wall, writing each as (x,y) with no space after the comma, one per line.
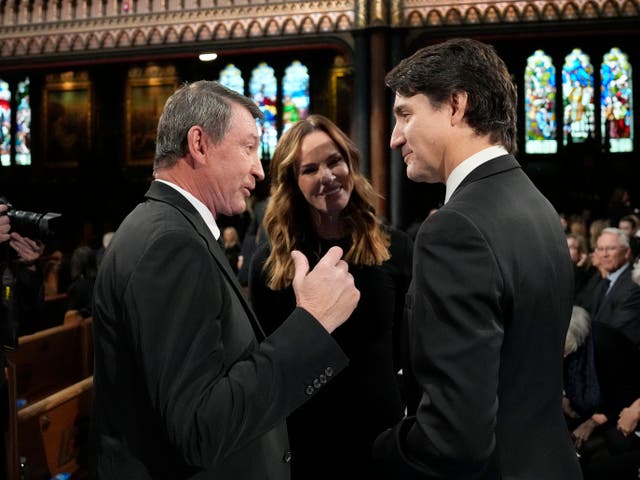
(147,91)
(67,119)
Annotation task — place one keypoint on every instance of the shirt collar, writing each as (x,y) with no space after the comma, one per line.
(204,212)
(470,164)
(615,275)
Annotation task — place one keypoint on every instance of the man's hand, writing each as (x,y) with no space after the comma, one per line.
(327,292)
(628,419)
(5,226)
(28,250)
(583,432)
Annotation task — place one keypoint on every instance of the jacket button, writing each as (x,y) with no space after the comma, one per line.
(316,383)
(323,378)
(309,390)
(328,371)
(286,458)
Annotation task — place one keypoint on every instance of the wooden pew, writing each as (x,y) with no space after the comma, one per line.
(55,307)
(51,372)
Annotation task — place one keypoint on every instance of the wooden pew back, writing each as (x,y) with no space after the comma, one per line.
(51,372)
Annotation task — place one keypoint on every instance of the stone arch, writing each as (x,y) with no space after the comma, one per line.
(272,28)
(289,27)
(78,43)
(35,46)
(550,12)
(64,45)
(188,35)
(530,13)
(472,16)
(255,29)
(492,15)
(221,32)
(123,39)
(325,24)
(93,43)
(434,18)
(511,14)
(453,17)
(171,36)
(139,38)
(155,37)
(343,23)
(307,25)
(415,19)
(238,30)
(204,33)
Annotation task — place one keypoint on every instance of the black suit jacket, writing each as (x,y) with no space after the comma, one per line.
(620,308)
(490,300)
(183,388)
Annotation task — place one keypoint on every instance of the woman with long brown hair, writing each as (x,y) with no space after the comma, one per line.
(320,199)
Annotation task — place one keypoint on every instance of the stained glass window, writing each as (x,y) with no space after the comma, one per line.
(540,104)
(263,89)
(616,101)
(5,124)
(23,125)
(231,77)
(295,94)
(577,97)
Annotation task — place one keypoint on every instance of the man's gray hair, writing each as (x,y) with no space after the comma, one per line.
(204,103)
(622,237)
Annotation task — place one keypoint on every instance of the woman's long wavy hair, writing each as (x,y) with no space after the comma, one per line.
(288,221)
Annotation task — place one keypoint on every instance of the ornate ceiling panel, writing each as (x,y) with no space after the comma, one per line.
(31,29)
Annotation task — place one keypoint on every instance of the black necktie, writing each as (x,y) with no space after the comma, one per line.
(602,293)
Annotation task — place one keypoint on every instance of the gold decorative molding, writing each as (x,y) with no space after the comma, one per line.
(31,29)
(435,13)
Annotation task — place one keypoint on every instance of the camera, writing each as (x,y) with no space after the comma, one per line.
(36,226)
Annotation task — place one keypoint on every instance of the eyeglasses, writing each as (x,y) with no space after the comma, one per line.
(607,249)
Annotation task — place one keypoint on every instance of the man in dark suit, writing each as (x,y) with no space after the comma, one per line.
(186,384)
(615,310)
(492,286)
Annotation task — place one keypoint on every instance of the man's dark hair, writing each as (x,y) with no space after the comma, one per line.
(463,64)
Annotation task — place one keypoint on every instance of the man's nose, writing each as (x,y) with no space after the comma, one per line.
(397,138)
(258,171)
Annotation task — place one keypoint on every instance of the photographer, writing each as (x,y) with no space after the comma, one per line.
(28,298)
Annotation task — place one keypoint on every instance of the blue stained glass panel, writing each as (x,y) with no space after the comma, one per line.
(616,101)
(577,97)
(5,124)
(295,93)
(540,104)
(263,89)
(231,77)
(23,125)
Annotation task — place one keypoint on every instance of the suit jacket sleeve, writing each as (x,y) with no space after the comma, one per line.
(215,397)
(625,308)
(456,335)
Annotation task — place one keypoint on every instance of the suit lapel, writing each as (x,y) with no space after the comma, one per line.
(164,193)
(619,286)
(492,167)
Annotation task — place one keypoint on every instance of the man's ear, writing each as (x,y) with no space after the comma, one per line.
(458,106)
(197,144)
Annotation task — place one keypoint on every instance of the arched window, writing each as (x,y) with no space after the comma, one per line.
(295,94)
(540,104)
(5,124)
(231,77)
(23,125)
(263,89)
(616,120)
(577,97)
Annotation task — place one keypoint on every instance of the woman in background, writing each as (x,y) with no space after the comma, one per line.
(320,199)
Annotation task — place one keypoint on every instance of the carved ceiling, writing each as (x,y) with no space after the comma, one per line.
(34,29)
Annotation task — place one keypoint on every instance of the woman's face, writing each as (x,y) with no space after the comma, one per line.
(323,174)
